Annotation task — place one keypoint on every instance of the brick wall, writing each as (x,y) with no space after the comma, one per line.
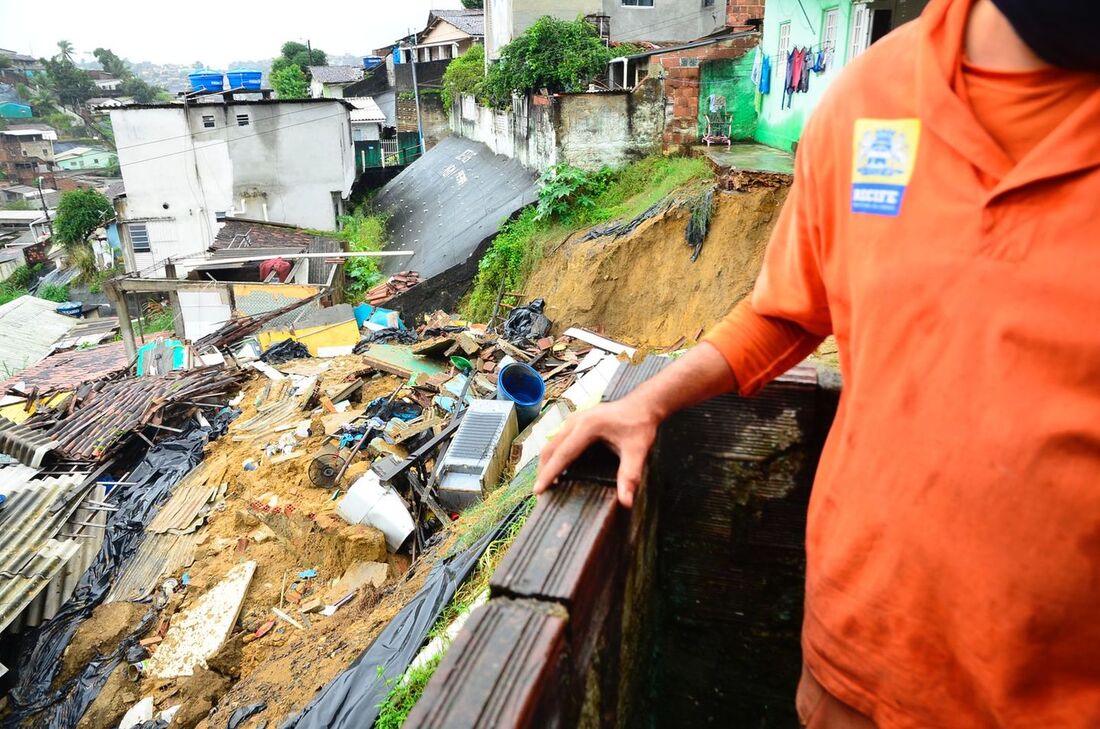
(681,73)
(739,13)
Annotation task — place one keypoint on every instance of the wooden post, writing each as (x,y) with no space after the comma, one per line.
(118,298)
(174,301)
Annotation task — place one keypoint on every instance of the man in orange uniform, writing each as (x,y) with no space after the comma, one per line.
(944,226)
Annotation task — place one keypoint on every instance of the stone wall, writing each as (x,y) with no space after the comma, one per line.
(587,130)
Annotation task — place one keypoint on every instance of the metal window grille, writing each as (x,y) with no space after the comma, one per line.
(208,121)
(139,238)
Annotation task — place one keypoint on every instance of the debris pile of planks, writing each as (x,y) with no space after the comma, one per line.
(98,418)
(397,284)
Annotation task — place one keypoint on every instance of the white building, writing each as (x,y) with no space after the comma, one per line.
(188,166)
(367,119)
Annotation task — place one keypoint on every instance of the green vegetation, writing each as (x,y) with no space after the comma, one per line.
(17,205)
(131,85)
(22,276)
(364,231)
(464,75)
(53,292)
(10,293)
(556,55)
(290,82)
(570,200)
(403,696)
(160,321)
(79,213)
(473,4)
(295,55)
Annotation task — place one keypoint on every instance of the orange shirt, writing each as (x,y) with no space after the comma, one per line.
(953,540)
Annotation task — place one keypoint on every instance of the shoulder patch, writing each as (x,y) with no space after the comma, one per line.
(883,155)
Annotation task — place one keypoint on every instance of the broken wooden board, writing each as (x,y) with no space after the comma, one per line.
(398,359)
(334,421)
(434,347)
(198,633)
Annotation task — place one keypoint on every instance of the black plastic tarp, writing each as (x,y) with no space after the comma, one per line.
(146,489)
(353,698)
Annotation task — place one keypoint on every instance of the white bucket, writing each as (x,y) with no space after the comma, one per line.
(368,502)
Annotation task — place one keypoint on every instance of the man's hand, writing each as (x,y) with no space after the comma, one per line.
(628,426)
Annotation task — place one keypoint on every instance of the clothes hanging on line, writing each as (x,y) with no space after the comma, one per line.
(765,83)
(788,80)
(807,66)
(820,62)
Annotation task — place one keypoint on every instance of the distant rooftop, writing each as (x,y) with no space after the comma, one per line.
(336,74)
(468,21)
(366,109)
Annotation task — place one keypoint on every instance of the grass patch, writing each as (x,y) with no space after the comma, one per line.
(403,696)
(571,200)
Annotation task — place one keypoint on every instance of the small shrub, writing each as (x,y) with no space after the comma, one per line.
(464,75)
(53,292)
(11,293)
(22,276)
(566,191)
(363,231)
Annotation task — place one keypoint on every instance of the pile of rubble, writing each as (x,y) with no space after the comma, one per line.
(326,531)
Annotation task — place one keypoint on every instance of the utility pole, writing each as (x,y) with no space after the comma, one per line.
(309,49)
(416,94)
(45,210)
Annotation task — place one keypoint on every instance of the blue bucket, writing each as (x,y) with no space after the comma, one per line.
(523,386)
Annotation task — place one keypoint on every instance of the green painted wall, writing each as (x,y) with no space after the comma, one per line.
(88,160)
(778,127)
(732,79)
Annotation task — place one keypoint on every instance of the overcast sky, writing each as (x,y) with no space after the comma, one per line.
(153,30)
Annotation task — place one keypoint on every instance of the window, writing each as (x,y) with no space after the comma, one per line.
(208,121)
(242,120)
(708,3)
(784,49)
(829,23)
(139,238)
(861,26)
(637,3)
(95,161)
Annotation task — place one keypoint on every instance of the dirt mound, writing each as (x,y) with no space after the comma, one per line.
(99,635)
(643,287)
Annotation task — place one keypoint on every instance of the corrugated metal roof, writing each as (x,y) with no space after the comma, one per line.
(34,550)
(366,109)
(469,21)
(29,326)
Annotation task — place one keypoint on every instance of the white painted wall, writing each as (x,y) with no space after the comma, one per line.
(284,166)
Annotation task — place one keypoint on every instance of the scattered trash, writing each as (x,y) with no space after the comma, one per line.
(285,351)
(368,502)
(139,713)
(527,323)
(389,335)
(478,454)
(522,385)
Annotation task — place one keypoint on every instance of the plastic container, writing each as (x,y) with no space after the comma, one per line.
(207,81)
(368,502)
(244,78)
(522,385)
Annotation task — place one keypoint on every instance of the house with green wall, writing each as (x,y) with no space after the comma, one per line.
(85,158)
(835,31)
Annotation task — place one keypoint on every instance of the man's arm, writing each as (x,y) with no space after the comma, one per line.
(765,346)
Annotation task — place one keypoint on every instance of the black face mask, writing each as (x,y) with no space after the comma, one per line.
(1063,33)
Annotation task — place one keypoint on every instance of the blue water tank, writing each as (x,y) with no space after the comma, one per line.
(244,78)
(207,81)
(397,54)
(370,62)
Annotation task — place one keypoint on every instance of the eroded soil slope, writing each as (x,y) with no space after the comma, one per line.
(643,287)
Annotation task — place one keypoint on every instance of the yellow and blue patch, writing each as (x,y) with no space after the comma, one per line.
(884,152)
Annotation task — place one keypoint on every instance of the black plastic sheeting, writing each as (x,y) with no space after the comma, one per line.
(162,467)
(352,699)
(447,202)
(242,714)
(386,336)
(285,351)
(527,322)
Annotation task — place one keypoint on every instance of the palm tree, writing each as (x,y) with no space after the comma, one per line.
(43,100)
(66,50)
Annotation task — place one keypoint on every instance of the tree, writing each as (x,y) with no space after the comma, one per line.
(296,54)
(72,85)
(65,50)
(473,4)
(79,213)
(558,55)
(464,75)
(111,63)
(290,82)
